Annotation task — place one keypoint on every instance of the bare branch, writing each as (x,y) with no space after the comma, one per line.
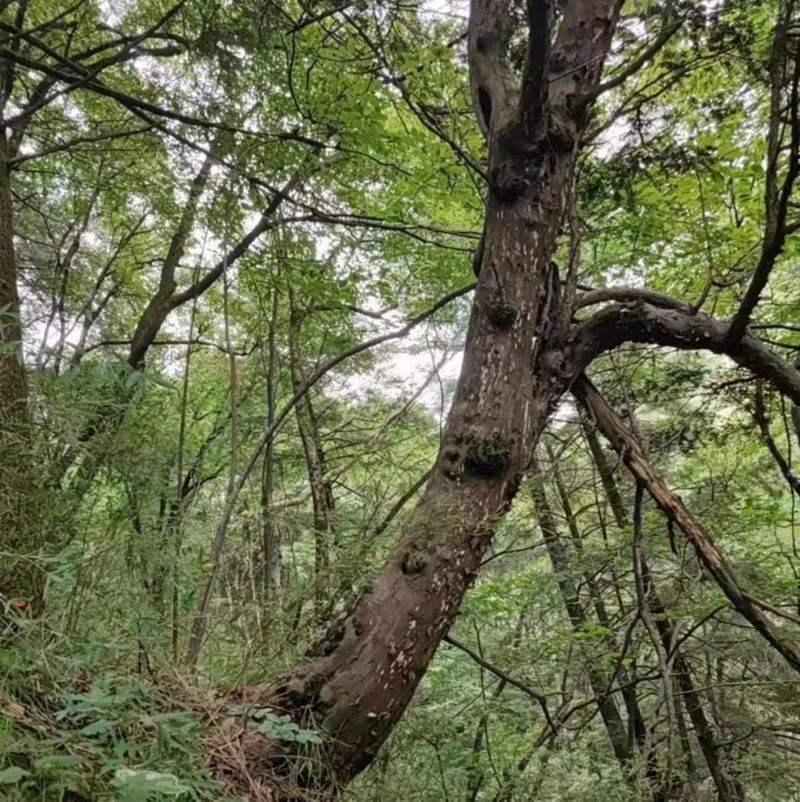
(784,111)
(540,698)
(634,458)
(640,322)
(760,415)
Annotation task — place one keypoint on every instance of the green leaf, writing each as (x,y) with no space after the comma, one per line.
(12,775)
(100,727)
(136,785)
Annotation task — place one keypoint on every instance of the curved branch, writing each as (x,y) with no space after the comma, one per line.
(760,415)
(784,114)
(645,323)
(626,294)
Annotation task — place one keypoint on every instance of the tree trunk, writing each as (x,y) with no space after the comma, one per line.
(618,734)
(321,491)
(360,689)
(637,727)
(21,571)
(357,687)
(728,788)
(271,556)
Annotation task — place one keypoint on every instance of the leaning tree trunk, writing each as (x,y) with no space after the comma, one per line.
(362,682)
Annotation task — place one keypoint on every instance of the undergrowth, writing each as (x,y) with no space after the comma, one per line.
(74,729)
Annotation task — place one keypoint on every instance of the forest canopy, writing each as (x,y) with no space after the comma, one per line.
(399,400)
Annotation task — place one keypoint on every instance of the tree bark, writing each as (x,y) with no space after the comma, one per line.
(357,689)
(618,735)
(321,490)
(21,571)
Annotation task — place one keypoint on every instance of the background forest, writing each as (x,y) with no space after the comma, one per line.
(238,253)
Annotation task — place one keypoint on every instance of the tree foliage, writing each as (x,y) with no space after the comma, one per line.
(399,400)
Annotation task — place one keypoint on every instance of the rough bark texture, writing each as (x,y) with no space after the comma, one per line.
(21,573)
(358,689)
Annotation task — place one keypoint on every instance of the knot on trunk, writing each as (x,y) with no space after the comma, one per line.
(333,636)
(516,162)
(501,314)
(488,458)
(414,562)
(508,182)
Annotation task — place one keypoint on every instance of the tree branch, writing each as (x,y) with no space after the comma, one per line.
(784,67)
(494,91)
(668,30)
(634,458)
(644,323)
(625,294)
(760,415)
(498,672)
(533,101)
